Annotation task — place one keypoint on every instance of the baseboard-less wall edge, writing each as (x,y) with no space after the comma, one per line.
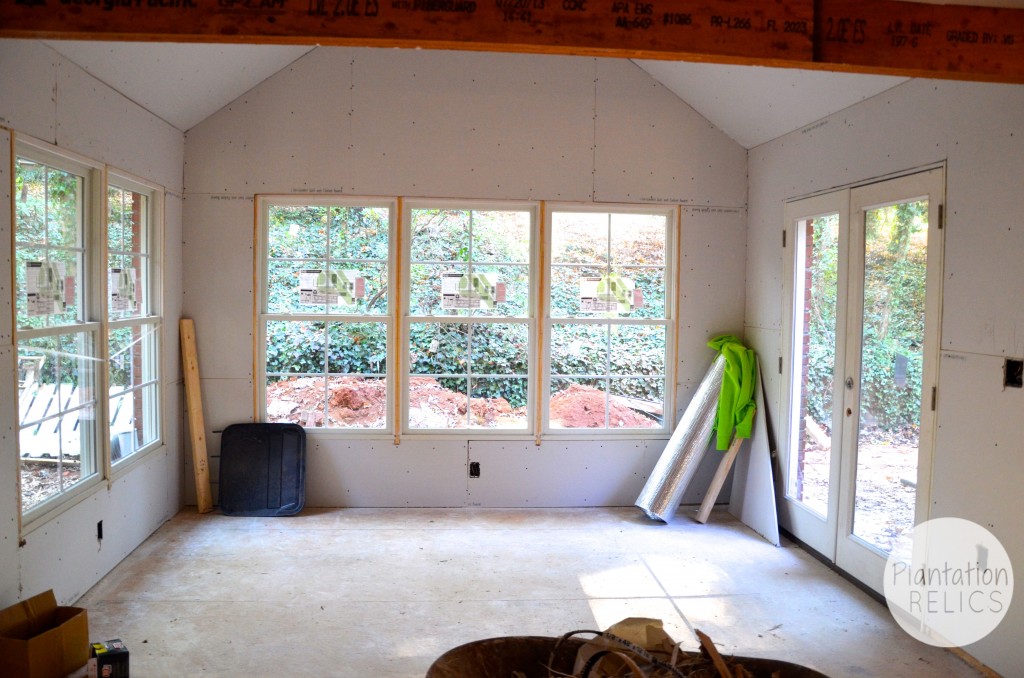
(977,665)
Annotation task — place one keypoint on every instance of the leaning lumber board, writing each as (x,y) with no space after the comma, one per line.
(715,488)
(194,407)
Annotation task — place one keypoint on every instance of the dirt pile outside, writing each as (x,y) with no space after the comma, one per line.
(355,402)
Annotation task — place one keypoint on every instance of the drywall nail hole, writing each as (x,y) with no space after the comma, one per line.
(474,469)
(1013,373)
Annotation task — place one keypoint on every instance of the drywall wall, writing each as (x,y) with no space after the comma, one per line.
(457,125)
(978,130)
(51,99)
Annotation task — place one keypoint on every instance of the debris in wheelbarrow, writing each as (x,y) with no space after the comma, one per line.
(633,648)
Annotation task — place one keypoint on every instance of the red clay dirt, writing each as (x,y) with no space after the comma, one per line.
(361,403)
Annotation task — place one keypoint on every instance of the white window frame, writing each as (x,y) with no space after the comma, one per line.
(89,323)
(398,318)
(669,322)
(151,318)
(94,321)
(263,317)
(530,320)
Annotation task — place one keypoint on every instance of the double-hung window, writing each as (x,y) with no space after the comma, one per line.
(491,332)
(57,311)
(326,317)
(87,318)
(609,334)
(133,320)
(469,323)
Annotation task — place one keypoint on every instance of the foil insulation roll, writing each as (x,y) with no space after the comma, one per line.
(684,451)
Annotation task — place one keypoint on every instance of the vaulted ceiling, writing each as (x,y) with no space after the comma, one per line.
(185,83)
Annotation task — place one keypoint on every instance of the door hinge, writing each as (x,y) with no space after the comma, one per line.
(783,237)
(942,216)
(780,364)
(934,390)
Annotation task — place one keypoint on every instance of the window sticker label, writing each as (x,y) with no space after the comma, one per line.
(121,286)
(477,290)
(609,294)
(45,287)
(338,287)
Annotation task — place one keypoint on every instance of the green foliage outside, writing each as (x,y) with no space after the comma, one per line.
(492,342)
(893,321)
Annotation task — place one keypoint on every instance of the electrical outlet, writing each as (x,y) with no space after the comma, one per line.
(1013,373)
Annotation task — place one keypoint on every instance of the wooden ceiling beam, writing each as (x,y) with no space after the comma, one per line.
(870,36)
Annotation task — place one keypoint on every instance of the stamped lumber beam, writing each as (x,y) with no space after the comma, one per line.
(875,36)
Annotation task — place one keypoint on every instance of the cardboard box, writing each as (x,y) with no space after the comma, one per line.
(39,639)
(109,659)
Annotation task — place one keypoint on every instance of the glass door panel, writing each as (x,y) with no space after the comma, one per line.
(891,361)
(811,454)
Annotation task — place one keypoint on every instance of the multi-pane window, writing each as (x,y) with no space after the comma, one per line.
(469,300)
(469,323)
(133,324)
(326,318)
(608,325)
(88,381)
(58,333)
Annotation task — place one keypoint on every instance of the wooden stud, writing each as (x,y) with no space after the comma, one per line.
(715,488)
(194,407)
(871,36)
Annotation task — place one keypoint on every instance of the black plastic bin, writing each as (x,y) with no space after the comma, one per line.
(262,469)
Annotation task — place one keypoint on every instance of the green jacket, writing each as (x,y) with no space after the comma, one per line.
(736,400)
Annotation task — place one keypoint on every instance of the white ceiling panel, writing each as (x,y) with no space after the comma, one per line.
(184,83)
(181,83)
(755,104)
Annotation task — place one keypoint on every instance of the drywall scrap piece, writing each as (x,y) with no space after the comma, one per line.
(753,487)
(684,451)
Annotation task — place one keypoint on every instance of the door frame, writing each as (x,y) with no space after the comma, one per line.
(816,531)
(832,536)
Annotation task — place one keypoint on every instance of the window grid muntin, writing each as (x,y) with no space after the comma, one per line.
(328,315)
(49,164)
(478,317)
(554,319)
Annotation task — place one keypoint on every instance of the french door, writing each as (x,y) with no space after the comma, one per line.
(863,272)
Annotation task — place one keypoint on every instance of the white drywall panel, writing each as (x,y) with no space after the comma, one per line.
(172,377)
(225,402)
(65,555)
(174,441)
(6,262)
(28,80)
(977,473)
(559,473)
(985,230)
(472,125)
(290,133)
(100,123)
(345,472)
(217,269)
(712,283)
(10,574)
(764,263)
(652,147)
(171,264)
(768,346)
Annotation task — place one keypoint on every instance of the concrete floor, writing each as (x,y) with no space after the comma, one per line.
(383,592)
